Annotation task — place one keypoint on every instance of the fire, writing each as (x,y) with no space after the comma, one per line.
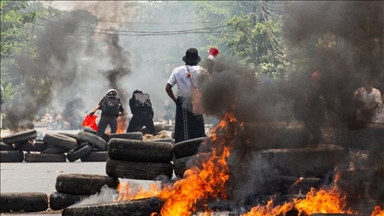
(127,192)
(377,211)
(323,201)
(207,181)
(269,209)
(121,124)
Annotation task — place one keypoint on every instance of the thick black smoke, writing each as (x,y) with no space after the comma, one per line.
(358,29)
(119,57)
(72,67)
(355,51)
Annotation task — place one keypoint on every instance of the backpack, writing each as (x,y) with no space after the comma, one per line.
(141,100)
(110,106)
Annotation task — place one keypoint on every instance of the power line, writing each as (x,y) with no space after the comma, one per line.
(144,33)
(137,33)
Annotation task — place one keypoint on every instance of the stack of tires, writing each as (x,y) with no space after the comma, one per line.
(57,146)
(90,148)
(184,152)
(11,145)
(73,188)
(137,159)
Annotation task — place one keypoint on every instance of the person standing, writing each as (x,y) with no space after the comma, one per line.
(188,125)
(310,108)
(142,111)
(111,108)
(368,102)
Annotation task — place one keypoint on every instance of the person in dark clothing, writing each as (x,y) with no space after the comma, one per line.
(142,111)
(111,108)
(188,125)
(315,109)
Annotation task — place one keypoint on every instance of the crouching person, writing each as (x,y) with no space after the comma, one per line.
(142,111)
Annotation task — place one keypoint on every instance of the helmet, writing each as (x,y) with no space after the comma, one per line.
(137,91)
(112,92)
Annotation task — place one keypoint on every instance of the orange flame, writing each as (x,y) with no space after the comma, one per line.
(269,209)
(207,180)
(121,124)
(323,200)
(127,192)
(378,211)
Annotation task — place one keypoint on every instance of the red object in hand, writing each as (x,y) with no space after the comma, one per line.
(90,121)
(213,52)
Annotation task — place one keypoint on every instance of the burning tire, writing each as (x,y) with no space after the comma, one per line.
(140,151)
(95,156)
(83,184)
(313,161)
(59,140)
(54,150)
(188,147)
(11,156)
(92,139)
(128,135)
(37,146)
(139,207)
(79,151)
(20,136)
(30,157)
(58,201)
(26,202)
(180,166)
(5,147)
(138,170)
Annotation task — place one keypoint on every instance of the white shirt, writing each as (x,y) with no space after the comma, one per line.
(369,97)
(179,77)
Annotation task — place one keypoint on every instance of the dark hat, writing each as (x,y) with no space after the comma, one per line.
(191,56)
(137,91)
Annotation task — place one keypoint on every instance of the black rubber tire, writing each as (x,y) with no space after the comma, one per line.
(138,170)
(170,140)
(36,146)
(54,150)
(30,157)
(92,139)
(187,147)
(11,156)
(79,151)
(58,201)
(89,130)
(74,136)
(20,136)
(25,201)
(96,156)
(60,140)
(180,166)
(83,184)
(159,127)
(140,151)
(138,207)
(128,135)
(6,147)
